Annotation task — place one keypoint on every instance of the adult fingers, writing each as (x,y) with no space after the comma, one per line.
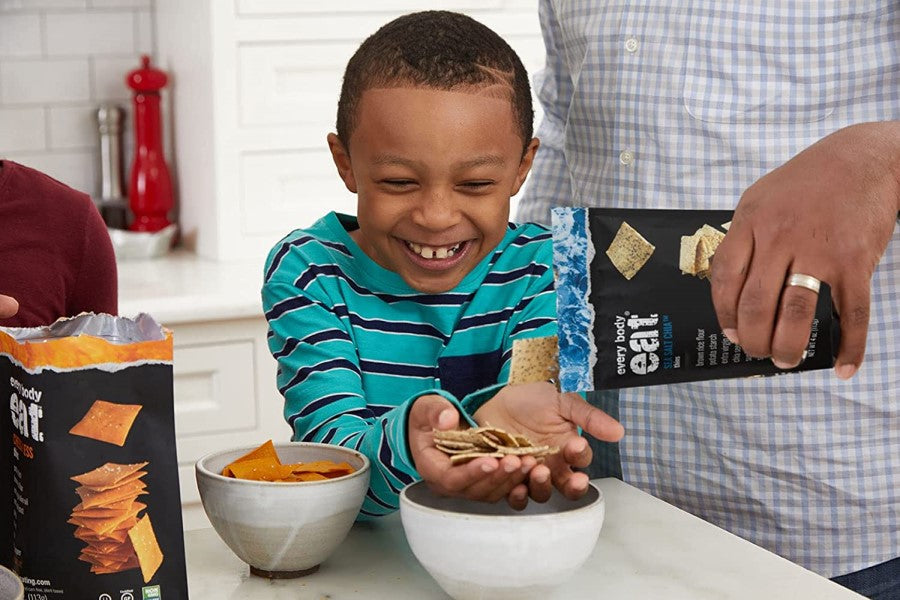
(574,408)
(758,303)
(729,271)
(8,306)
(794,322)
(852,304)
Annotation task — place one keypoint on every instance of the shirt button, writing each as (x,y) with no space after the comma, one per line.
(631,45)
(626,157)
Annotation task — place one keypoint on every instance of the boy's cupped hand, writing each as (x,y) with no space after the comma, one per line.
(486,479)
(548,417)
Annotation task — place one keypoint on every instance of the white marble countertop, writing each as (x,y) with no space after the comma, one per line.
(647,549)
(182,287)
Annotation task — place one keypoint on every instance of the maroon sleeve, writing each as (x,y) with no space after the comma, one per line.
(96,285)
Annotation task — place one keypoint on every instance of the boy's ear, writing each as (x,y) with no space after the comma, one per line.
(525,165)
(342,161)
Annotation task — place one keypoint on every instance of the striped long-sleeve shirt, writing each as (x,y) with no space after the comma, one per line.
(356,345)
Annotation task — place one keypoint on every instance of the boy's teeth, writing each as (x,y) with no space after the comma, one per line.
(432,251)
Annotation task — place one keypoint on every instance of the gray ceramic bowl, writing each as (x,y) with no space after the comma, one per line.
(11,587)
(478,551)
(283,529)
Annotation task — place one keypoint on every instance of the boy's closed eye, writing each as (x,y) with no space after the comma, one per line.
(398,184)
(480,186)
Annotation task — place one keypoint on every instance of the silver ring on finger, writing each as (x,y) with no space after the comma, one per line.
(805,281)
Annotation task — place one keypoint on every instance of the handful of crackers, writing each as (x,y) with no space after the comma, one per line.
(263,464)
(467,444)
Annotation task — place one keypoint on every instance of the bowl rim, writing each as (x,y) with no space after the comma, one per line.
(404,500)
(16,578)
(200,468)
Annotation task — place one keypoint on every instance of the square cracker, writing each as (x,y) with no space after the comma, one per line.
(108,475)
(146,547)
(107,422)
(534,359)
(629,251)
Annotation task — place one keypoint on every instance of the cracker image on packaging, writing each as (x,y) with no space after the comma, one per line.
(107,520)
(534,359)
(629,251)
(107,422)
(697,249)
(149,555)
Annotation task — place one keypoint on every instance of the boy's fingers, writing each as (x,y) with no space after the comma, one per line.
(591,419)
(573,485)
(518,497)
(540,485)
(577,452)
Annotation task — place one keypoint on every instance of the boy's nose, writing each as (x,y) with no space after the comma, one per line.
(436,210)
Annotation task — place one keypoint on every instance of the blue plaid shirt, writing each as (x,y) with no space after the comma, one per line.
(684,105)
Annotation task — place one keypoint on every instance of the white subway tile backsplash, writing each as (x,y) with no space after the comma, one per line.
(20,36)
(77,169)
(59,60)
(73,127)
(55,81)
(108,76)
(22,129)
(90,33)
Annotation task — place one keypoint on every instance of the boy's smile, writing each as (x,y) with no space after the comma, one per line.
(433,171)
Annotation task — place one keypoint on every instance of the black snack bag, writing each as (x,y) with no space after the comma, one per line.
(635,306)
(89,497)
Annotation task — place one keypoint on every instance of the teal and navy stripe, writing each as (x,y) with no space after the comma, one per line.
(356,346)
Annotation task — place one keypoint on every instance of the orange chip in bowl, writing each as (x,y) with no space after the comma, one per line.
(263,464)
(267,451)
(259,469)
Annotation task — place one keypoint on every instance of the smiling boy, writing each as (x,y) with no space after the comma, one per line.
(401,319)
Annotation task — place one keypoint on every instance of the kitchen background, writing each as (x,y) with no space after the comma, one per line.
(252,93)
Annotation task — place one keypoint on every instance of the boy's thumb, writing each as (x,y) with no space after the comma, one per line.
(447,418)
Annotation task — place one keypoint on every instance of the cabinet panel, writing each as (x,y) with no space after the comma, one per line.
(281,191)
(214,388)
(291,83)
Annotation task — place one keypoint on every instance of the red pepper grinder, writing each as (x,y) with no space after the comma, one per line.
(150,187)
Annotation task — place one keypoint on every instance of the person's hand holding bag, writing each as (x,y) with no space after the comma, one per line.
(827,214)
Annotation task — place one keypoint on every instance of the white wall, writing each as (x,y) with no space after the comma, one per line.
(59,59)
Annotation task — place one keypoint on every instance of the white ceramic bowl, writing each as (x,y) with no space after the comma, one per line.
(283,529)
(480,551)
(11,587)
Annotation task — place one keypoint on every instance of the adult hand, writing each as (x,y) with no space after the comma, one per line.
(829,212)
(485,478)
(8,306)
(547,417)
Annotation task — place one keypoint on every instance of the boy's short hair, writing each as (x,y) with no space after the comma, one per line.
(434,49)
